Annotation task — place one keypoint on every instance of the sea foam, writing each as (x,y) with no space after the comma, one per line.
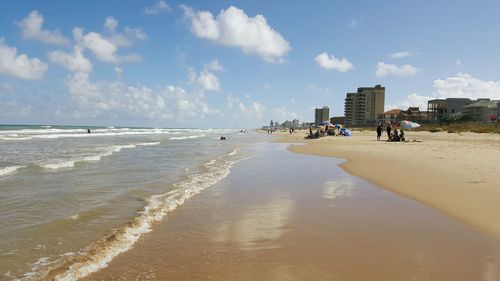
(98,255)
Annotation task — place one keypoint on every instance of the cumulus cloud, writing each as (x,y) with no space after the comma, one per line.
(119,99)
(460,86)
(32,28)
(102,48)
(331,62)
(111,24)
(384,69)
(118,71)
(214,65)
(282,113)
(234,28)
(124,38)
(157,8)
(411,100)
(252,111)
(20,65)
(75,61)
(403,54)
(464,85)
(208,81)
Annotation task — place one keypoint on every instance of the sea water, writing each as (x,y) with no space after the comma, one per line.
(73,199)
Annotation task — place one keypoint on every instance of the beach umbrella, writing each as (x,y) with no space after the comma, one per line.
(408,125)
(346,132)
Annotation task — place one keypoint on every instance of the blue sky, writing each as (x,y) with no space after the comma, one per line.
(236,63)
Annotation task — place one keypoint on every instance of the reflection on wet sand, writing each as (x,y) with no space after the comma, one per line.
(338,188)
(259,227)
(314,224)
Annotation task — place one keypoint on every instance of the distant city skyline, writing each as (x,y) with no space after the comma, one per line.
(236,64)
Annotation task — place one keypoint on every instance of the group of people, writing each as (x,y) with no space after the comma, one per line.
(392,135)
(328,131)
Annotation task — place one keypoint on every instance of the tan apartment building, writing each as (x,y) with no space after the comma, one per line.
(364,106)
(321,114)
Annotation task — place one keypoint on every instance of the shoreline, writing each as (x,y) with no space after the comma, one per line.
(317,224)
(454,173)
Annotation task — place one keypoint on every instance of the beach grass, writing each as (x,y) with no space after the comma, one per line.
(473,127)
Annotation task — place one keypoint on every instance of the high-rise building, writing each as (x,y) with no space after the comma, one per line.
(364,107)
(321,114)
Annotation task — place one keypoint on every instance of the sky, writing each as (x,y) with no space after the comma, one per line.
(236,64)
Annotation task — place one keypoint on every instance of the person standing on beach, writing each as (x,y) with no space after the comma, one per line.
(388,130)
(379,130)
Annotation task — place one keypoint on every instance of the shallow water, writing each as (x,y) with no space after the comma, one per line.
(62,190)
(285,216)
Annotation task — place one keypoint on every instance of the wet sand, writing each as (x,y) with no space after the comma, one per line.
(287,216)
(455,173)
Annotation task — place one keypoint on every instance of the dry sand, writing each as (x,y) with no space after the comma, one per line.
(455,173)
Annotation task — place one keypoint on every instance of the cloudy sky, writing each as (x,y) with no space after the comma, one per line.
(236,63)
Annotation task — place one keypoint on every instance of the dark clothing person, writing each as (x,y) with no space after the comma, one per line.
(88,131)
(379,131)
(388,130)
(402,136)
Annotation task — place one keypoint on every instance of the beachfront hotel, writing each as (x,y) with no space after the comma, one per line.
(321,114)
(364,106)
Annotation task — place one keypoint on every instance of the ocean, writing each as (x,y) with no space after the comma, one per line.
(70,201)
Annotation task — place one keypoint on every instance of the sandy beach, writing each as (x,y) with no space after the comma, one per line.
(288,216)
(455,173)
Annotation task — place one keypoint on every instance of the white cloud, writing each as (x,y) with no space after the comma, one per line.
(252,111)
(20,65)
(267,87)
(353,22)
(460,86)
(465,86)
(111,23)
(122,39)
(458,62)
(118,71)
(208,81)
(411,100)
(75,62)
(383,69)
(117,99)
(331,62)
(102,48)
(234,28)
(157,8)
(32,28)
(282,113)
(403,54)
(214,65)
(6,88)
(315,88)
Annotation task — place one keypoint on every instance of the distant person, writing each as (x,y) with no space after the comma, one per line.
(388,130)
(402,135)
(88,131)
(395,135)
(379,130)
(223,138)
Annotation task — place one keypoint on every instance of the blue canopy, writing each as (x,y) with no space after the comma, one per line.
(346,132)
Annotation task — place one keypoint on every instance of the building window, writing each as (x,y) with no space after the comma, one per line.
(453,111)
